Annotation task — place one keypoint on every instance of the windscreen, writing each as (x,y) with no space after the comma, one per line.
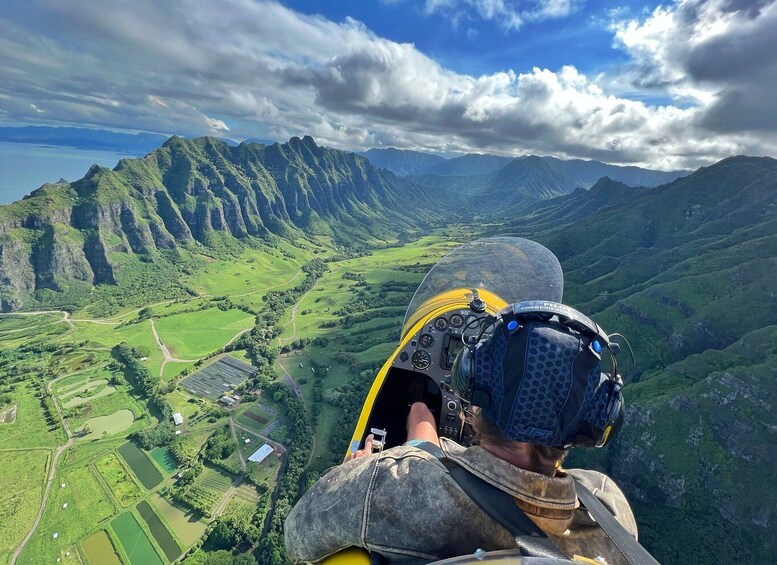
(513,268)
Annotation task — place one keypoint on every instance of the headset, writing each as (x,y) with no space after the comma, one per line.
(591,432)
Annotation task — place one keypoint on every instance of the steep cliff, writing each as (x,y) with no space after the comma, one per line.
(189,193)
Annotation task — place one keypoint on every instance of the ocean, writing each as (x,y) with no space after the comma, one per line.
(25,166)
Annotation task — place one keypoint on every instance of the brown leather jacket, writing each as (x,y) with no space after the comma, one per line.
(404,505)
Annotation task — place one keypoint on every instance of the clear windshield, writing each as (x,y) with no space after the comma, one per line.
(513,268)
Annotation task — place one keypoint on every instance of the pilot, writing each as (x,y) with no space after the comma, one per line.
(544,390)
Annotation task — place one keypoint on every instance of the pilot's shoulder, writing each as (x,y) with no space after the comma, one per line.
(609,493)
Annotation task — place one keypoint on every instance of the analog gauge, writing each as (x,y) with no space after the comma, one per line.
(421,359)
(441,324)
(425,341)
(457,321)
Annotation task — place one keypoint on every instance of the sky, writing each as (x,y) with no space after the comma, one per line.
(675,85)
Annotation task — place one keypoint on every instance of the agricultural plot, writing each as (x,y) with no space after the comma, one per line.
(134,541)
(221,376)
(209,488)
(90,391)
(255,418)
(143,469)
(193,335)
(118,479)
(107,425)
(72,512)
(159,531)
(99,549)
(242,505)
(186,524)
(22,474)
(31,427)
(164,459)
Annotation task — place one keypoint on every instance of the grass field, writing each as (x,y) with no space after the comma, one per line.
(196,334)
(119,481)
(22,474)
(253,273)
(73,511)
(134,541)
(30,428)
(187,525)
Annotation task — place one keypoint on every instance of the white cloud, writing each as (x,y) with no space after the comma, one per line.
(509,14)
(719,54)
(249,68)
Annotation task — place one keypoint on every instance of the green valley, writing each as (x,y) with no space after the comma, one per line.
(187,341)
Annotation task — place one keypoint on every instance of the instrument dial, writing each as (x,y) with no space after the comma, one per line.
(441,324)
(457,321)
(421,360)
(426,341)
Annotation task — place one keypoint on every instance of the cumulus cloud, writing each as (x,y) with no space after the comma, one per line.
(247,68)
(509,14)
(720,54)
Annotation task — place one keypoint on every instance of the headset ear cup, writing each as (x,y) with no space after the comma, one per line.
(461,373)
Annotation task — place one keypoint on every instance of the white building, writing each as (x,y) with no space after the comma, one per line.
(260,454)
(177,419)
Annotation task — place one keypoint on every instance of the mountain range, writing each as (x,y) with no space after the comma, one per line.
(188,194)
(688,273)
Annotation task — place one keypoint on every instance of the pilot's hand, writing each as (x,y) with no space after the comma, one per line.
(363,452)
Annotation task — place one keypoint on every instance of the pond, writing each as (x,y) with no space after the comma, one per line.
(159,531)
(144,470)
(99,550)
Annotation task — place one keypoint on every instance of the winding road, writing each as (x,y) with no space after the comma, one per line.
(52,470)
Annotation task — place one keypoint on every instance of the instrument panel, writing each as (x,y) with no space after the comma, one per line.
(432,351)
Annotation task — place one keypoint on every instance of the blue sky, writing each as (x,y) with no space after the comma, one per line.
(478,46)
(673,85)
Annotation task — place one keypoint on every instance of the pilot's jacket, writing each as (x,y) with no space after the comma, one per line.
(404,505)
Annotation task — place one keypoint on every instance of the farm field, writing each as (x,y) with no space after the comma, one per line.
(99,549)
(242,505)
(31,428)
(195,334)
(134,541)
(187,525)
(103,496)
(138,462)
(209,488)
(214,379)
(118,479)
(22,474)
(72,512)
(253,417)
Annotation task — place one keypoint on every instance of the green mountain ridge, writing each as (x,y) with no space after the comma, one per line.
(688,273)
(189,194)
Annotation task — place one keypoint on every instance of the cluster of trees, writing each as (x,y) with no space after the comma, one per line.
(148,387)
(271,550)
(259,341)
